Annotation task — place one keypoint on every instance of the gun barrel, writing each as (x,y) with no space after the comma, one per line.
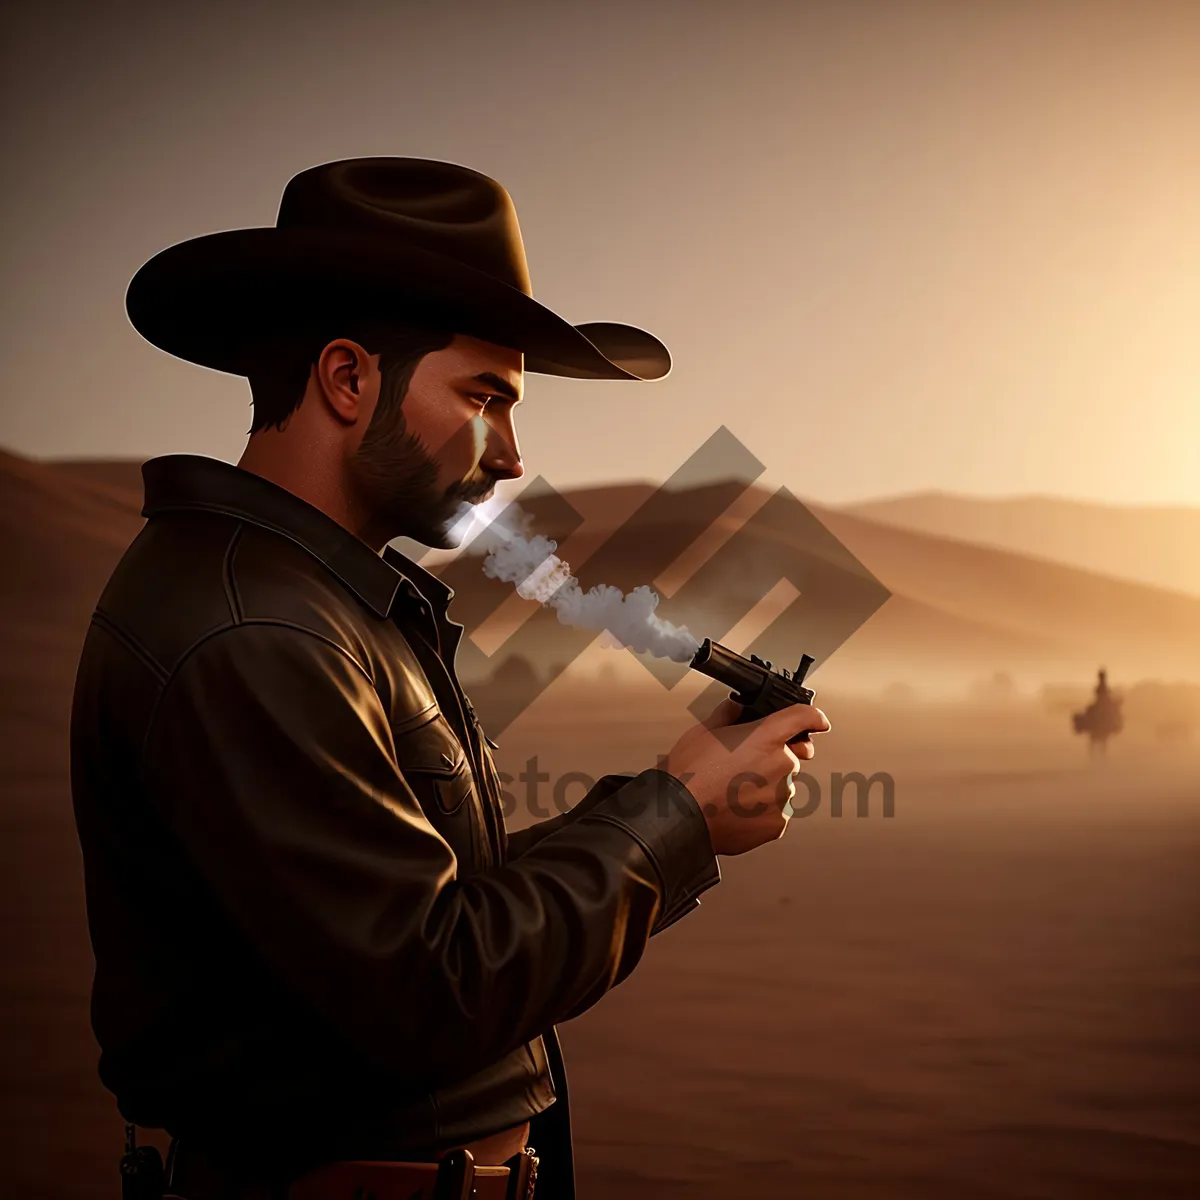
(725,666)
(754,685)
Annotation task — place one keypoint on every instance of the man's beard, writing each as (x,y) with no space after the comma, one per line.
(398,479)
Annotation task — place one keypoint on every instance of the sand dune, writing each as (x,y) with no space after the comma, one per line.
(1137,630)
(1153,544)
(60,536)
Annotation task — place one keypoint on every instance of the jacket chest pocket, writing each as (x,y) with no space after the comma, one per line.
(436,767)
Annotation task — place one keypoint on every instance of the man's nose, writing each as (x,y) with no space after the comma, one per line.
(502,457)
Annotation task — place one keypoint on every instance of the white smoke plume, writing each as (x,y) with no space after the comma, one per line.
(539,574)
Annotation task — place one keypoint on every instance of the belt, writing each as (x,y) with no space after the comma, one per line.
(456,1177)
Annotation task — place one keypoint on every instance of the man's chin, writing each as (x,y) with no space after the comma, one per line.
(448,529)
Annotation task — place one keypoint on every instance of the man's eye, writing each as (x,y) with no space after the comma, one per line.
(482,399)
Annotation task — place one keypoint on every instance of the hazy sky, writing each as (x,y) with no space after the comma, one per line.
(892,245)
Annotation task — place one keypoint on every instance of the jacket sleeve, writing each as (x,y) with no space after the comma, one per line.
(522,841)
(271,758)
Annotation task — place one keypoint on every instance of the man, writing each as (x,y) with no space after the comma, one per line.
(315,941)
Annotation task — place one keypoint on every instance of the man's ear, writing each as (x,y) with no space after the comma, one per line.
(344,374)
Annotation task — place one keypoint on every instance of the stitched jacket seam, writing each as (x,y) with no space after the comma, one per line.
(122,635)
(228,579)
(276,623)
(244,519)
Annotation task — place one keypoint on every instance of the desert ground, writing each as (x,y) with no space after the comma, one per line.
(993,992)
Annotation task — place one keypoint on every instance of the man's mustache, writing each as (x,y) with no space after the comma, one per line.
(475,489)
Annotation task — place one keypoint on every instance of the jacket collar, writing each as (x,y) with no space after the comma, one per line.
(181,482)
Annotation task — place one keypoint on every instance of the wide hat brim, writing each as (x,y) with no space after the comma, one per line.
(213,299)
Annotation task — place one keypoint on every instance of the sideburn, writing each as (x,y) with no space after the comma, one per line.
(395,473)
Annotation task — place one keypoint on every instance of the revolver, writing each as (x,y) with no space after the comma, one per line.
(757,686)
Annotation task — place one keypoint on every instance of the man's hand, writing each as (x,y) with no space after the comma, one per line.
(742,775)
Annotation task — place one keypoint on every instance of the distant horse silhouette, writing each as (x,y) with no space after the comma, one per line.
(1102,718)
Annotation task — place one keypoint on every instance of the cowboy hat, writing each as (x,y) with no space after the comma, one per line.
(419,240)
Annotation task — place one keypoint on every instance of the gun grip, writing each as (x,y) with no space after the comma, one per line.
(750,713)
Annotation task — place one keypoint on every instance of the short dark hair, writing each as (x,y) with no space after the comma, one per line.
(280,367)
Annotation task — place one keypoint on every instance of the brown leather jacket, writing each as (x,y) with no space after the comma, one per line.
(314,938)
